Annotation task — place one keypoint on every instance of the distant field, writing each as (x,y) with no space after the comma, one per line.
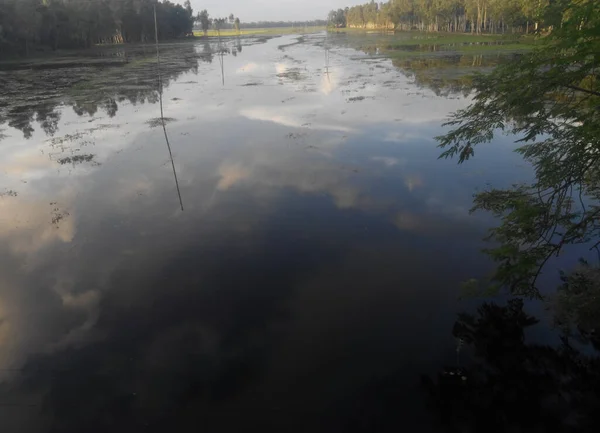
(269,31)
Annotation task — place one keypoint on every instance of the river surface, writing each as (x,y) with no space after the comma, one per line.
(303,277)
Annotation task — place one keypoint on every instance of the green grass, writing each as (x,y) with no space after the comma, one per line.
(409,44)
(269,31)
(461,42)
(418,38)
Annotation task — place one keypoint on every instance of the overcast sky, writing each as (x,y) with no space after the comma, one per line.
(271,10)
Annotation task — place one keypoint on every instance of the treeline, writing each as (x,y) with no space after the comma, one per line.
(475,16)
(54,24)
(274,24)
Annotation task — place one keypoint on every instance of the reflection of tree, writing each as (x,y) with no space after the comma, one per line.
(48,118)
(514,386)
(446,75)
(207,53)
(110,106)
(37,94)
(576,306)
(20,118)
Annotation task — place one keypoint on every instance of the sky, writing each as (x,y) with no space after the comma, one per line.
(272,10)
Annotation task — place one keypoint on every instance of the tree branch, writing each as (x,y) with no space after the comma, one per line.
(581,89)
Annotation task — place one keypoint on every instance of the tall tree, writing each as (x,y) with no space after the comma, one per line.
(204,19)
(219,23)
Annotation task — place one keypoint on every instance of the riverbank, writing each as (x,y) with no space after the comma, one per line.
(402,44)
(275,31)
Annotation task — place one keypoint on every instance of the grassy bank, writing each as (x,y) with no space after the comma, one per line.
(269,31)
(401,44)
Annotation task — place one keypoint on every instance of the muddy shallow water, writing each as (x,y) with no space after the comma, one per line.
(311,277)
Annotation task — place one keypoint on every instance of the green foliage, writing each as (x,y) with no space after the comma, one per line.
(337,18)
(555,111)
(54,24)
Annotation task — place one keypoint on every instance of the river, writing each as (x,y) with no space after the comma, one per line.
(290,261)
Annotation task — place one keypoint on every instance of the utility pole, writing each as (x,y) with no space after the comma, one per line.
(160,99)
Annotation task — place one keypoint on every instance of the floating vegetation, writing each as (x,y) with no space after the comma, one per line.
(296,135)
(298,41)
(8,193)
(292,60)
(257,83)
(294,74)
(69,138)
(66,138)
(158,121)
(76,159)
(39,94)
(57,214)
(356,99)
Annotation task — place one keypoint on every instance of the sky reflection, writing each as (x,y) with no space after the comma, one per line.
(311,258)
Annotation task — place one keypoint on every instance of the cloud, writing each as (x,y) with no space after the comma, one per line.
(413,181)
(388,161)
(230,174)
(329,83)
(290,117)
(248,68)
(26,225)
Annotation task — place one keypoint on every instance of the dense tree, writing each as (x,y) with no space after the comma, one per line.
(337,18)
(494,16)
(27,24)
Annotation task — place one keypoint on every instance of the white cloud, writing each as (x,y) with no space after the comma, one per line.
(289,117)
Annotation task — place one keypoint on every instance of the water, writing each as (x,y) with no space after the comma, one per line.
(310,280)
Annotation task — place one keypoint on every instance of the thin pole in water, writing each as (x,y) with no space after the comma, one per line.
(162,117)
(220,55)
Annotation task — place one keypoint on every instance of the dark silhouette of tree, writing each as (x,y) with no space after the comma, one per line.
(576,306)
(513,386)
(25,24)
